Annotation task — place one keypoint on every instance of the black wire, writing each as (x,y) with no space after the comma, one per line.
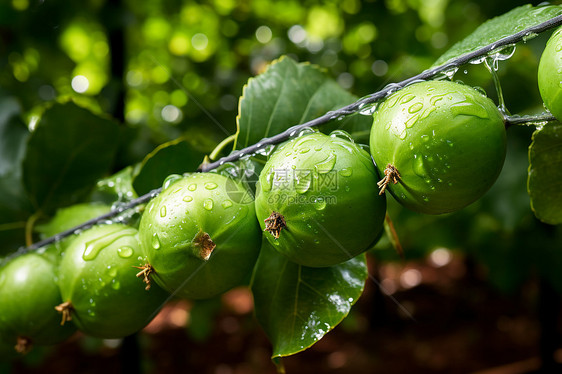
(342,112)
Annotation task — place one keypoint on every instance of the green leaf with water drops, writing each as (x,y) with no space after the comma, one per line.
(544,183)
(174,157)
(69,150)
(290,93)
(298,305)
(493,30)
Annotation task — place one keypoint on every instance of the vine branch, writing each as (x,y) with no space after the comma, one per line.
(342,112)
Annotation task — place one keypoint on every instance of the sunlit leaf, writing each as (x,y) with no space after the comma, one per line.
(70,149)
(288,94)
(175,157)
(491,31)
(298,305)
(545,173)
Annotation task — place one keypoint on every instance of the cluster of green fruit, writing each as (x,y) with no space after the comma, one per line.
(436,146)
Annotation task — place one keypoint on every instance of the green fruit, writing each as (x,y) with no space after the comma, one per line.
(316,198)
(550,74)
(28,297)
(200,235)
(439,145)
(97,281)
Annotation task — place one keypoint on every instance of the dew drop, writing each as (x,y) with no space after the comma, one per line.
(327,165)
(163,211)
(170,179)
(407,98)
(320,203)
(125,252)
(425,138)
(187,198)
(155,241)
(226,204)
(116,285)
(208,204)
(414,108)
(304,150)
(210,186)
(418,166)
(192,187)
(94,247)
(346,172)
(303,181)
(268,182)
(342,135)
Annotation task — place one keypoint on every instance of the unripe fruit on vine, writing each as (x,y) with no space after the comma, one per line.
(28,296)
(200,235)
(439,145)
(550,74)
(99,289)
(317,200)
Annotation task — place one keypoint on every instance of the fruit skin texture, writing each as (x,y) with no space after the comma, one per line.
(97,277)
(446,140)
(325,188)
(550,74)
(174,223)
(28,296)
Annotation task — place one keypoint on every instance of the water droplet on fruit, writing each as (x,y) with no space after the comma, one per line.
(469,109)
(407,98)
(268,182)
(320,203)
(411,146)
(170,179)
(155,241)
(163,211)
(342,135)
(425,138)
(346,172)
(192,187)
(125,252)
(116,285)
(303,181)
(94,247)
(210,186)
(304,150)
(327,165)
(558,47)
(316,241)
(414,108)
(187,198)
(226,204)
(425,198)
(208,204)
(346,188)
(418,166)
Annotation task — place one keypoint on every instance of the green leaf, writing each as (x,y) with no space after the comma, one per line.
(70,149)
(298,305)
(545,173)
(174,157)
(288,94)
(491,31)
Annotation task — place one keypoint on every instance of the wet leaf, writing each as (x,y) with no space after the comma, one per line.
(298,305)
(174,157)
(491,31)
(545,173)
(70,149)
(288,94)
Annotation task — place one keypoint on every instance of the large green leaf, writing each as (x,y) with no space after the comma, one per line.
(288,94)
(70,149)
(174,157)
(491,31)
(545,173)
(298,305)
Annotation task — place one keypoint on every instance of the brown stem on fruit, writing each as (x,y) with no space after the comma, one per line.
(274,224)
(205,245)
(391,174)
(144,273)
(23,345)
(65,309)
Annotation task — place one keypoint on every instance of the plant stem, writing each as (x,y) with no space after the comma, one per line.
(29,228)
(218,149)
(12,226)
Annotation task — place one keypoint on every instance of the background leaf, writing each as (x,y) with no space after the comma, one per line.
(298,305)
(545,173)
(288,94)
(175,157)
(70,149)
(14,205)
(499,27)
